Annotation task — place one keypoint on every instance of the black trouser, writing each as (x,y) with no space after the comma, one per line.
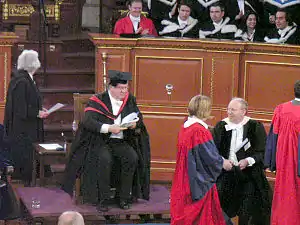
(128,159)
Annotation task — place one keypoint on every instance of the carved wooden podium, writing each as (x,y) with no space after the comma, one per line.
(6,42)
(168,72)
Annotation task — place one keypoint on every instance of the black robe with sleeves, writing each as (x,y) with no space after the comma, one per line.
(88,144)
(255,201)
(22,127)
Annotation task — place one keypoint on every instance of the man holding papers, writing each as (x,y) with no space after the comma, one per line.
(111,141)
(24,114)
(243,191)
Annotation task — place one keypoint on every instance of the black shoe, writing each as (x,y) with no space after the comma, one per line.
(102,206)
(124,205)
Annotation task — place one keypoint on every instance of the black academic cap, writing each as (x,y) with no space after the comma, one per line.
(118,75)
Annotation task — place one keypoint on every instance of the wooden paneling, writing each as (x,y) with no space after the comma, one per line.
(6,42)
(262,73)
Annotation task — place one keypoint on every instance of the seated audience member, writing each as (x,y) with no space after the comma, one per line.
(219,27)
(103,147)
(286,32)
(270,8)
(237,9)
(194,195)
(201,9)
(249,30)
(181,26)
(161,9)
(70,218)
(135,23)
(244,190)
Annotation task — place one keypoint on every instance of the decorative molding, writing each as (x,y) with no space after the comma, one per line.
(167,57)
(25,10)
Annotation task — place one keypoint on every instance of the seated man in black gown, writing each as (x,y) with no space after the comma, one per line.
(219,27)
(181,26)
(103,148)
(286,31)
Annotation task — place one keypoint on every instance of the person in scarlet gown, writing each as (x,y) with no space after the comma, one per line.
(194,195)
(135,24)
(283,155)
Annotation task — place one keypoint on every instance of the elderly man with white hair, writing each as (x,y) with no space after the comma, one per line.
(244,190)
(23,119)
(70,218)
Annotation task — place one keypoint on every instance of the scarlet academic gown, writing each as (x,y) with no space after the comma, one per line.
(194,196)
(282,155)
(125,26)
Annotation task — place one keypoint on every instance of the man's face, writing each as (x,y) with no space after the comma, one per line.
(135,9)
(184,12)
(216,14)
(280,20)
(119,92)
(235,111)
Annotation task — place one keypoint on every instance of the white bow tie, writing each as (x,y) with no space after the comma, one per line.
(135,19)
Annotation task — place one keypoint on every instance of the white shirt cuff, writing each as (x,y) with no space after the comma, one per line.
(250,160)
(104,128)
(170,16)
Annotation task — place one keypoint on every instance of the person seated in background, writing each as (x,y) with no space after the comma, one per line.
(218,27)
(200,9)
(250,30)
(244,190)
(237,9)
(135,25)
(194,195)
(270,8)
(161,9)
(181,26)
(286,31)
(103,147)
(70,218)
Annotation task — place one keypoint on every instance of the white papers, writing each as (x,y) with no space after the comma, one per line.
(129,119)
(56,107)
(50,146)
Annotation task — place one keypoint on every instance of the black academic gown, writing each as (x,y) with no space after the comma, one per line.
(200,9)
(257,37)
(291,37)
(260,203)
(159,10)
(170,28)
(270,8)
(89,142)
(21,124)
(227,31)
(232,9)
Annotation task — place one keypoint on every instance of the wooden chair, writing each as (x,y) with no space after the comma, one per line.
(80,101)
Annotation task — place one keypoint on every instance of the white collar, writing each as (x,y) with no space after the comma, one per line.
(233,126)
(180,21)
(31,75)
(283,31)
(134,19)
(193,119)
(297,99)
(218,24)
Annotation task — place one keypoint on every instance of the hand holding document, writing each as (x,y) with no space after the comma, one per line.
(128,120)
(56,107)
